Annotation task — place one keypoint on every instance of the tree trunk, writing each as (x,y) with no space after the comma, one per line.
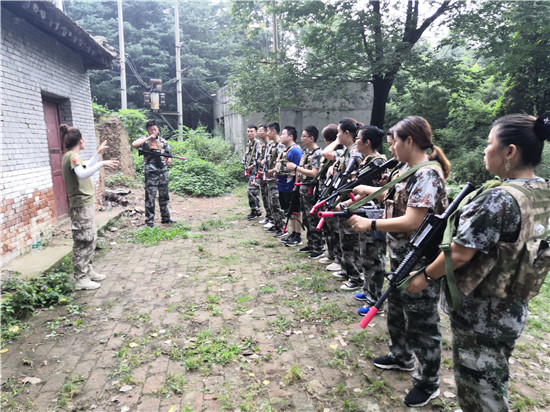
(381,86)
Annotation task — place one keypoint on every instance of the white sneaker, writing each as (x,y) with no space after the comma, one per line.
(263,221)
(268,225)
(96,276)
(326,261)
(86,284)
(334,267)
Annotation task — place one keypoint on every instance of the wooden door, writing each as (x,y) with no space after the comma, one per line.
(55,149)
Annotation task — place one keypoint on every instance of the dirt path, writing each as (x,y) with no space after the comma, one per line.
(224,319)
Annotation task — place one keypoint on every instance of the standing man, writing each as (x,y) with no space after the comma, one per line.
(262,135)
(274,151)
(286,179)
(156,173)
(251,162)
(306,171)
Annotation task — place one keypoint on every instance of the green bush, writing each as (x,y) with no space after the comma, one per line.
(469,167)
(20,297)
(134,120)
(99,111)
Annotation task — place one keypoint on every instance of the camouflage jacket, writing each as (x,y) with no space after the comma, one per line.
(311,159)
(425,188)
(507,228)
(252,154)
(154,163)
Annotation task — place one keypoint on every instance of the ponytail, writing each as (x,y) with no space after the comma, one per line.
(70,136)
(438,155)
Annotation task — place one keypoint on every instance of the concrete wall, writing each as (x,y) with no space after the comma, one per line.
(318,114)
(32,66)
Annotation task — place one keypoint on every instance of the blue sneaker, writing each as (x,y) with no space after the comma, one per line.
(363,310)
(361,296)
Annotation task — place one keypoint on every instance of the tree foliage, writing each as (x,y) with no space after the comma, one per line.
(326,44)
(206,52)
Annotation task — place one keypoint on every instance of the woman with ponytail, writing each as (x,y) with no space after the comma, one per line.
(413,319)
(81,193)
(500,258)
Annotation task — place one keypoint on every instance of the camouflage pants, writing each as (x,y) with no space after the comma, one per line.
(276,211)
(253,193)
(84,239)
(351,251)
(373,262)
(310,222)
(156,180)
(330,232)
(413,325)
(484,333)
(265,199)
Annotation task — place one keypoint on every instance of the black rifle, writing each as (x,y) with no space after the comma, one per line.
(143,152)
(368,176)
(294,201)
(425,243)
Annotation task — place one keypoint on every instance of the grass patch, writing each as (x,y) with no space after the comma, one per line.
(208,348)
(173,385)
(69,390)
(217,223)
(152,236)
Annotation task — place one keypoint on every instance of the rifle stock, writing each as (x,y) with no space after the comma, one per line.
(429,232)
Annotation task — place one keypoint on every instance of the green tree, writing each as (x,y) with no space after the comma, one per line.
(514,38)
(206,52)
(329,43)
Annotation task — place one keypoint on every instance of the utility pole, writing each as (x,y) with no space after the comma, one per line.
(178,70)
(123,100)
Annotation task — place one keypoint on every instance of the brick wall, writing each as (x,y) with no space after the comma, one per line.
(34,65)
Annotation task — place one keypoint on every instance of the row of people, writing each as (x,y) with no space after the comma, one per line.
(483,339)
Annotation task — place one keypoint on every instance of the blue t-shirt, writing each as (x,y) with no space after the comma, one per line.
(286,183)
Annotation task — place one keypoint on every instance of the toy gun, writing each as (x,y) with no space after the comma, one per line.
(294,199)
(143,152)
(366,177)
(425,243)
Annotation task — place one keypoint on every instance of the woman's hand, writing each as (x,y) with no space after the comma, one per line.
(102,147)
(418,284)
(359,224)
(110,163)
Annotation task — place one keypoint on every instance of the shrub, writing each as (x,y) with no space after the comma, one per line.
(99,111)
(134,121)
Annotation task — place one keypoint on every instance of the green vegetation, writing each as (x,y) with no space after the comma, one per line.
(205,350)
(20,297)
(69,390)
(151,236)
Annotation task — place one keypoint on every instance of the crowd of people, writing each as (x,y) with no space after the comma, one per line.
(498,248)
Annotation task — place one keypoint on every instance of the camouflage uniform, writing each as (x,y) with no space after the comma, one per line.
(493,307)
(277,213)
(372,250)
(330,228)
(263,183)
(251,156)
(349,239)
(84,231)
(310,160)
(413,319)
(156,179)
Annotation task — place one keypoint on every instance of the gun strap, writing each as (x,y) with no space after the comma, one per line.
(405,282)
(391,184)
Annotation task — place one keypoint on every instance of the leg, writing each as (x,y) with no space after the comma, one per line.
(164,196)
(151,187)
(84,237)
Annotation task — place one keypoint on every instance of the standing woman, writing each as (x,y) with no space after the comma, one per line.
(80,190)
(373,248)
(413,319)
(489,251)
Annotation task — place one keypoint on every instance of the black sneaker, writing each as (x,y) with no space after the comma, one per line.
(315,255)
(288,239)
(281,234)
(167,222)
(252,215)
(304,249)
(351,285)
(295,241)
(271,229)
(388,362)
(150,224)
(417,397)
